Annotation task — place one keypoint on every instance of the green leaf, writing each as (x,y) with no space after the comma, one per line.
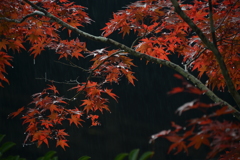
(84,158)
(49,155)
(133,154)
(146,155)
(13,158)
(6,146)
(121,156)
(1,137)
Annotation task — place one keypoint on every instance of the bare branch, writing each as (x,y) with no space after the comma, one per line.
(71,82)
(72,65)
(76,66)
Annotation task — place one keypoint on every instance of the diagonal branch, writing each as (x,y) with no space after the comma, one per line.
(213,48)
(169,64)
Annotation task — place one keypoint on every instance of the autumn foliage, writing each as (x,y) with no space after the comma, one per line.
(205,34)
(220,135)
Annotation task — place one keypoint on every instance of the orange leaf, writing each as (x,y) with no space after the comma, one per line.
(53,108)
(53,116)
(41,136)
(47,124)
(160,134)
(74,119)
(129,75)
(62,143)
(108,91)
(14,114)
(88,105)
(223,110)
(176,90)
(198,139)
(178,142)
(53,88)
(93,119)
(61,133)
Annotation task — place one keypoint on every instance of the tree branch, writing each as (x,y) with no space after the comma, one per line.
(169,64)
(24,18)
(72,65)
(70,82)
(213,48)
(212,29)
(196,57)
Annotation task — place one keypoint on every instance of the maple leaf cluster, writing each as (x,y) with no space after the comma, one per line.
(21,23)
(49,110)
(161,32)
(4,60)
(221,136)
(47,113)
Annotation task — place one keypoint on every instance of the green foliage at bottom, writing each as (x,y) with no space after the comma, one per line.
(49,156)
(133,155)
(5,147)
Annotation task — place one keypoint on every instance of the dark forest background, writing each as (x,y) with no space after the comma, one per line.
(141,110)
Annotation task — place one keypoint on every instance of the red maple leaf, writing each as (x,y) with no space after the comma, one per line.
(53,88)
(62,143)
(14,114)
(75,119)
(108,91)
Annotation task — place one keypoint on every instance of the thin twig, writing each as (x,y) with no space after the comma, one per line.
(137,39)
(145,34)
(107,59)
(76,66)
(71,82)
(196,57)
(72,65)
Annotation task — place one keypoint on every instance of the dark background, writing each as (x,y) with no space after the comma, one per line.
(142,110)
